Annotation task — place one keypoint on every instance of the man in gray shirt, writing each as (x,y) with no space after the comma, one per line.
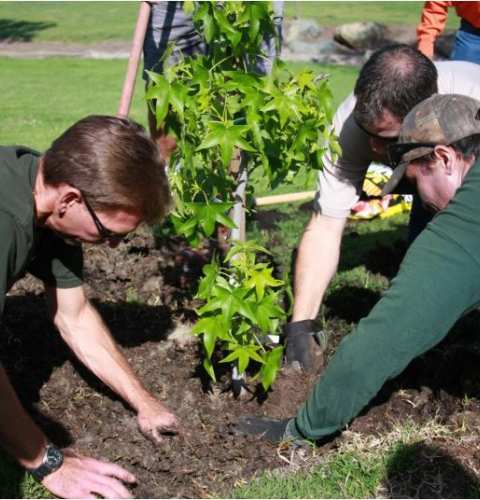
(390,84)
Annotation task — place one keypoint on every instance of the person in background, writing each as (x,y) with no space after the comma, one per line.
(467,39)
(168,25)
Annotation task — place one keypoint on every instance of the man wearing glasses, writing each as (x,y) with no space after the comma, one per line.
(96,183)
(390,84)
(439,280)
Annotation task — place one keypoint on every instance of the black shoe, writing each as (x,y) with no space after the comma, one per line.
(271,429)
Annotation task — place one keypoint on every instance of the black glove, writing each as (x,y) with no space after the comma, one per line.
(303,344)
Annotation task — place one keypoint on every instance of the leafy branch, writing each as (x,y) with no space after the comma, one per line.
(215,105)
(241,309)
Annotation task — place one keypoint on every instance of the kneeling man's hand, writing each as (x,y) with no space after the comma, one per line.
(155,419)
(83,477)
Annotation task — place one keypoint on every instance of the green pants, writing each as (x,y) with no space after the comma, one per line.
(438,281)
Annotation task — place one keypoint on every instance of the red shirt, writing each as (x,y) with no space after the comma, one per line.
(434,17)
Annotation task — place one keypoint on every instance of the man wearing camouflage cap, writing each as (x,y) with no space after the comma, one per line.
(439,280)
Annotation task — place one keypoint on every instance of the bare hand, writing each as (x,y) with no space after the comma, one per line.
(83,477)
(167,145)
(154,419)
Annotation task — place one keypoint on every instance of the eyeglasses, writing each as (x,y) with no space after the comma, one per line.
(396,151)
(375,136)
(104,233)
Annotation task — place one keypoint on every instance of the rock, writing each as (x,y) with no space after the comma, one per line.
(301,29)
(323,52)
(309,50)
(361,35)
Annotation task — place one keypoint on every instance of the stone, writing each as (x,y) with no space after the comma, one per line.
(306,50)
(301,29)
(361,35)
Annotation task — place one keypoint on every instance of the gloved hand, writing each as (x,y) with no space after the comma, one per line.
(304,345)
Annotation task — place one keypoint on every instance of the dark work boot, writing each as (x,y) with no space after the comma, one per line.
(273,430)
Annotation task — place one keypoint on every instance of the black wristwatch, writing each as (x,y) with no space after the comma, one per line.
(52,461)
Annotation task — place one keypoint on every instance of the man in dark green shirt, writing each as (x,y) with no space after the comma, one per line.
(96,183)
(439,279)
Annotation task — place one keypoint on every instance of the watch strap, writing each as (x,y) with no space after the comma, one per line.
(48,465)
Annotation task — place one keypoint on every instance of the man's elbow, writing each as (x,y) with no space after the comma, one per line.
(324,224)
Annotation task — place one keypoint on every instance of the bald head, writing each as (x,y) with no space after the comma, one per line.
(395,78)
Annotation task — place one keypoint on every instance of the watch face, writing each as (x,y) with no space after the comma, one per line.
(54,457)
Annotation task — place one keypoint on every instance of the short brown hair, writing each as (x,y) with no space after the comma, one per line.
(114,163)
(395,78)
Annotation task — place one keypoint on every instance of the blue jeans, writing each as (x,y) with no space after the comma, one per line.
(169,23)
(467,44)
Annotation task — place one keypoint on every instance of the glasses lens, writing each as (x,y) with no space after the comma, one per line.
(395,153)
(104,233)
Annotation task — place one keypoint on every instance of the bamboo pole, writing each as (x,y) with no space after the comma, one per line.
(284,198)
(238,167)
(134,59)
(238,211)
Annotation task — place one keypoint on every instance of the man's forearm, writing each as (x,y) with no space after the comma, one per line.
(19,435)
(92,343)
(431,291)
(317,261)
(84,331)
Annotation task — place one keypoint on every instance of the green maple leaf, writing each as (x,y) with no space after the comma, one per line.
(267,312)
(271,366)
(212,327)
(230,302)
(242,354)
(210,273)
(260,278)
(208,367)
(306,79)
(160,91)
(207,214)
(284,105)
(233,35)
(226,136)
(178,96)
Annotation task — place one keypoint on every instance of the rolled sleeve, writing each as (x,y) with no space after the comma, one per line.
(56,263)
(340,182)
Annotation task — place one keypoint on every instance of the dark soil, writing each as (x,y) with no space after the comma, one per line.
(144,292)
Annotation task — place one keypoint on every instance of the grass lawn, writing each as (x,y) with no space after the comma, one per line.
(14,483)
(42,97)
(335,13)
(79,22)
(362,467)
(90,22)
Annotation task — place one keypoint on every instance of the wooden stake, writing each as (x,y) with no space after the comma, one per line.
(284,198)
(134,59)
